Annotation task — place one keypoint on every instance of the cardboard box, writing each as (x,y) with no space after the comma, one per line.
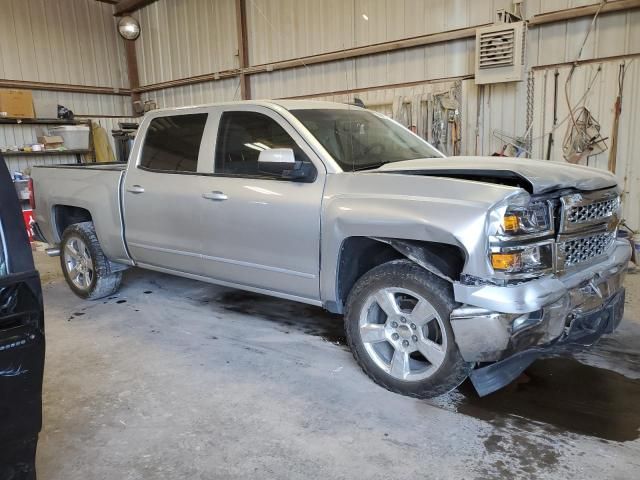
(45,107)
(51,142)
(17,103)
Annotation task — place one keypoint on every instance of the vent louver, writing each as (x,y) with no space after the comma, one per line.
(500,53)
(496,48)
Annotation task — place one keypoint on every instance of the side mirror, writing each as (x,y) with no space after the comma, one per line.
(282,162)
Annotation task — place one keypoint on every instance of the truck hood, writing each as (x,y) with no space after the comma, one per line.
(535,176)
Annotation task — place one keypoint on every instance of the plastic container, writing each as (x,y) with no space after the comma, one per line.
(22,189)
(76,137)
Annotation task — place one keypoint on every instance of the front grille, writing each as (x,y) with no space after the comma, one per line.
(592,211)
(582,249)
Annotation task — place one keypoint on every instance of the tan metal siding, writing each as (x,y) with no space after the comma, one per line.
(600,101)
(62,41)
(614,34)
(210,92)
(175,44)
(186,38)
(283,29)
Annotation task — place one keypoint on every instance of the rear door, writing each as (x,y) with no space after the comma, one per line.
(22,342)
(160,195)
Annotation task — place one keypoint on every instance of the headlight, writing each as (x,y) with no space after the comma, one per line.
(533,219)
(535,258)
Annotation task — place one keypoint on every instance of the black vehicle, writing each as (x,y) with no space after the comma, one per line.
(22,341)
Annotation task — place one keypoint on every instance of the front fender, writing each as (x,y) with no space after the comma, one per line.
(448,211)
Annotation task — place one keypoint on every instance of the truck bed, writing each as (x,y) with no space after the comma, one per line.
(94,188)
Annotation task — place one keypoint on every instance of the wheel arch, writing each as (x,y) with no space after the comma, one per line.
(359,254)
(66,215)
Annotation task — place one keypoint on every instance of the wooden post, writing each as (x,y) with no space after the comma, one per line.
(132,69)
(127,7)
(243,52)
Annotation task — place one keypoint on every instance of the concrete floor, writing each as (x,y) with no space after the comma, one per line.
(174,379)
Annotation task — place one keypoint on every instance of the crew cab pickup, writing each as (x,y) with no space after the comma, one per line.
(444,268)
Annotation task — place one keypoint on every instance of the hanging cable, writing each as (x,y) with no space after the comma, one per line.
(575,62)
(580,100)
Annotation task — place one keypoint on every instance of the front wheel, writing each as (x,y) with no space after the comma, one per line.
(397,325)
(85,267)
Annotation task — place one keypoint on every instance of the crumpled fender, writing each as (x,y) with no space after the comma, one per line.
(396,206)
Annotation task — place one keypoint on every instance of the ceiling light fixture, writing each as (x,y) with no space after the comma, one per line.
(129,28)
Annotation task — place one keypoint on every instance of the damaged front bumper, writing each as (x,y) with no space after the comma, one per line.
(512,326)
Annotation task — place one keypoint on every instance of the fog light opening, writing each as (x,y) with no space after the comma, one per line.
(527,320)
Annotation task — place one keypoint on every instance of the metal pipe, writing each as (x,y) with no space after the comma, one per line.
(586,11)
(63,87)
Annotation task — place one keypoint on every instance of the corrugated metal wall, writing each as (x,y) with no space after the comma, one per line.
(595,87)
(185,38)
(61,41)
(220,91)
(285,29)
(67,42)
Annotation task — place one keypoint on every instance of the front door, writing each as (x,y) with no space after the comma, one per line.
(161,199)
(22,341)
(261,231)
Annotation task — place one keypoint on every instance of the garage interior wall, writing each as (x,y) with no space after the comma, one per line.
(279,30)
(76,42)
(63,42)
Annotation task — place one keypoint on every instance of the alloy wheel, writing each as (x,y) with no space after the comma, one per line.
(78,263)
(403,334)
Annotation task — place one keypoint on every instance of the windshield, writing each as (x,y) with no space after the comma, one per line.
(361,139)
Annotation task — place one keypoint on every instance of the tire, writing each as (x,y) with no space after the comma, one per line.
(85,267)
(405,351)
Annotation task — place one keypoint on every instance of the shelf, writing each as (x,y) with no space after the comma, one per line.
(38,121)
(46,152)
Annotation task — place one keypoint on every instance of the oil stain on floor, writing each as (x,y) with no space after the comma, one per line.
(560,393)
(291,315)
(564,394)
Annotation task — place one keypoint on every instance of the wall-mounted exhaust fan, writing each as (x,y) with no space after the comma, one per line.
(500,53)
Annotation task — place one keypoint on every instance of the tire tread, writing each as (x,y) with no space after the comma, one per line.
(107,281)
(458,369)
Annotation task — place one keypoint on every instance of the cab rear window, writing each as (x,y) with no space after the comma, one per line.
(172,143)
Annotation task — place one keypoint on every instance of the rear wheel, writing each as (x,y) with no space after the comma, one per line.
(84,264)
(397,325)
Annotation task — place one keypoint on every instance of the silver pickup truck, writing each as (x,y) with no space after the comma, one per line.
(444,268)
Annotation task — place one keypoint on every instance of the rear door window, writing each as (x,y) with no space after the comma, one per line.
(172,143)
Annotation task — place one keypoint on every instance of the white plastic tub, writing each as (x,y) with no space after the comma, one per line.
(76,137)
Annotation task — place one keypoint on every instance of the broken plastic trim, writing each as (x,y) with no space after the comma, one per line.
(584,331)
(416,252)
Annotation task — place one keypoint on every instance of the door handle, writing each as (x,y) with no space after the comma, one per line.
(217,196)
(135,189)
